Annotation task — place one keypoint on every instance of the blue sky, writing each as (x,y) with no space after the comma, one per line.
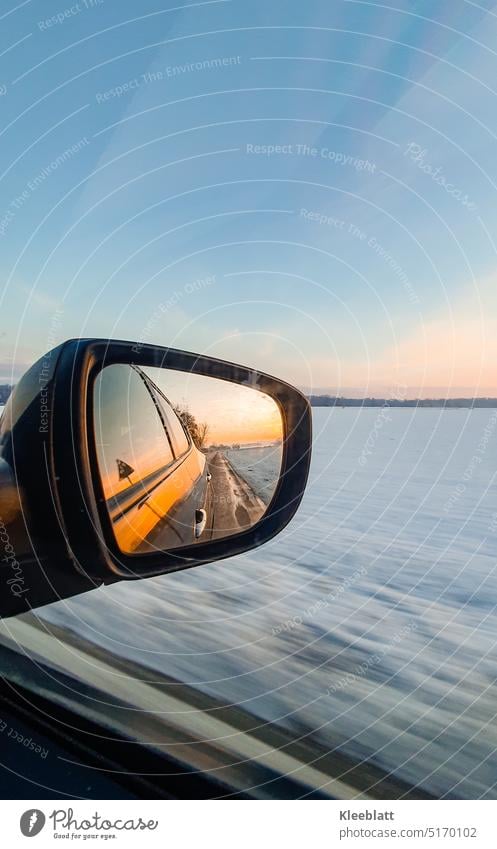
(306,188)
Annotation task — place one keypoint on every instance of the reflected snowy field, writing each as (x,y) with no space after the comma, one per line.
(259,466)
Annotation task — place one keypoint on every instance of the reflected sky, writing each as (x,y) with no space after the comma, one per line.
(233,412)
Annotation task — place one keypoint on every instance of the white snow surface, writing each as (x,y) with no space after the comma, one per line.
(259,466)
(370,623)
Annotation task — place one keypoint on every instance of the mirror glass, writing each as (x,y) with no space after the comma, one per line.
(183,458)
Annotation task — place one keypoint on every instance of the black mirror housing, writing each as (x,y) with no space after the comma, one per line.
(54,526)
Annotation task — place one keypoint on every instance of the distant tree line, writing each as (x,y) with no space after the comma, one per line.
(5,390)
(199,430)
(451,403)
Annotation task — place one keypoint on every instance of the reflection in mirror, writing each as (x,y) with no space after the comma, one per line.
(183,458)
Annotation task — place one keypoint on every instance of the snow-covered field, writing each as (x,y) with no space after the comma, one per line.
(371,622)
(260,467)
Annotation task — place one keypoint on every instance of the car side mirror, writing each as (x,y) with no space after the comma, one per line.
(123,461)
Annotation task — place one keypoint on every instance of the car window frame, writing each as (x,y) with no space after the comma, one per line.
(171,462)
(149,386)
(155,390)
